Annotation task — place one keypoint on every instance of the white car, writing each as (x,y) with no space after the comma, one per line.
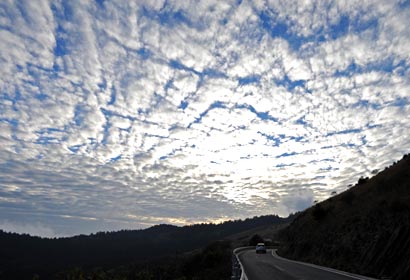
(260,248)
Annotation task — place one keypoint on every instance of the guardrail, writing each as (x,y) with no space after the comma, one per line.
(237,269)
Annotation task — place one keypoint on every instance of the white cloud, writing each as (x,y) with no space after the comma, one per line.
(33,229)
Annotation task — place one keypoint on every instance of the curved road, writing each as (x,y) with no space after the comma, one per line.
(270,266)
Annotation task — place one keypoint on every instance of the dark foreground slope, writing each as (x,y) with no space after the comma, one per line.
(365,230)
(22,256)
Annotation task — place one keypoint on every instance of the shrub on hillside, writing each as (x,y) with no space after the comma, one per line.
(255,240)
(348,197)
(319,212)
(362,180)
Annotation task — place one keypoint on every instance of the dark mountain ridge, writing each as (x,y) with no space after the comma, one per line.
(364,230)
(22,256)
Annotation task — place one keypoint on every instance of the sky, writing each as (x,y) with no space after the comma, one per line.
(126,114)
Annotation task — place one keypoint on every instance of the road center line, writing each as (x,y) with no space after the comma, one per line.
(347,274)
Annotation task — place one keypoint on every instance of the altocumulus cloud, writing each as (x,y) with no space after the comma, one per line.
(123,114)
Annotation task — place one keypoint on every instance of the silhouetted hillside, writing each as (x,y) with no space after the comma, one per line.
(365,230)
(22,256)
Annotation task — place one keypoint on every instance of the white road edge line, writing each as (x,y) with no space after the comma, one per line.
(351,275)
(237,252)
(279,268)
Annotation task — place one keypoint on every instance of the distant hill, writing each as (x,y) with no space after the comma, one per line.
(364,230)
(22,256)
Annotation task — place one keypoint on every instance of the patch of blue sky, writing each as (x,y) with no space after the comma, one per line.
(367,104)
(176,64)
(113,96)
(45,140)
(351,69)
(371,126)
(100,2)
(77,84)
(404,4)
(291,85)
(261,115)
(387,65)
(127,79)
(41,96)
(322,160)
(169,85)
(170,17)
(328,168)
(37,72)
(75,148)
(61,47)
(79,115)
(66,11)
(144,53)
(253,79)
(155,136)
(276,28)
(275,140)
(109,113)
(103,84)
(11,121)
(13,98)
(297,138)
(106,131)
(174,151)
(141,111)
(341,28)
(92,140)
(349,145)
(282,165)
(358,25)
(115,159)
(49,130)
(346,131)
(183,105)
(22,9)
(400,102)
(19,67)
(126,129)
(215,105)
(212,73)
(157,99)
(206,73)
(302,121)
(287,154)
(56,68)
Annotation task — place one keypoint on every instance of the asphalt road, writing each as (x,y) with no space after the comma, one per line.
(269,266)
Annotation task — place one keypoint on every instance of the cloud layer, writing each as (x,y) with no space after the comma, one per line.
(123,115)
